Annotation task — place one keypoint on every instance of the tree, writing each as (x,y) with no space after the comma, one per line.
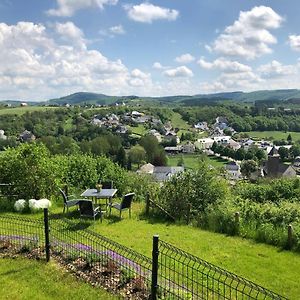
(137,154)
(284,153)
(121,157)
(248,167)
(295,150)
(289,138)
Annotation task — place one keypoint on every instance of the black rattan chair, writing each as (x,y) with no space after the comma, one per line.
(87,209)
(68,202)
(125,204)
(107,184)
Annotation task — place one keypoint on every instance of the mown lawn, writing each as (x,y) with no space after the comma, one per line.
(23,279)
(23,110)
(139,130)
(192,160)
(266,265)
(178,122)
(273,135)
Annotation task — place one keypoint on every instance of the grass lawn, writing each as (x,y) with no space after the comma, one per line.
(178,122)
(274,135)
(140,130)
(23,110)
(191,160)
(24,278)
(266,265)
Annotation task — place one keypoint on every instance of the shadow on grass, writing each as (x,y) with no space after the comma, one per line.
(112,219)
(12,272)
(153,218)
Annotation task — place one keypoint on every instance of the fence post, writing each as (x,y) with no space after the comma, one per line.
(147,204)
(290,236)
(155,254)
(47,240)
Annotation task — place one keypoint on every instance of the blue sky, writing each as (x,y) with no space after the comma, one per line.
(51,48)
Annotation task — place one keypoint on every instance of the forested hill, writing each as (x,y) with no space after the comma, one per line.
(81,98)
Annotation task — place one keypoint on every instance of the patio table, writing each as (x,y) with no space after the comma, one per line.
(106,194)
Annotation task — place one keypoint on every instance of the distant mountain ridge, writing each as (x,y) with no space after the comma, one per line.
(82,98)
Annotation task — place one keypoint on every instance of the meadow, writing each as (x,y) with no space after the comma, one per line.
(23,110)
(273,135)
(191,161)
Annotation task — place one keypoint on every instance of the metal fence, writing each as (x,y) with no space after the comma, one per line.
(170,274)
(184,276)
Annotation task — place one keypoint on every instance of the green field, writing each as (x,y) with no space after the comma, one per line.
(191,160)
(23,279)
(273,135)
(266,265)
(23,110)
(140,130)
(178,122)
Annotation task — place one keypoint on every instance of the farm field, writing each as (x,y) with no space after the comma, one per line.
(274,135)
(266,265)
(23,110)
(23,279)
(191,160)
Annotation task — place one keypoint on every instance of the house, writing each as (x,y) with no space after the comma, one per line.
(170,135)
(2,135)
(188,148)
(201,126)
(156,134)
(222,140)
(221,123)
(27,136)
(273,167)
(136,114)
(165,173)
(23,104)
(121,129)
(205,143)
(233,170)
(233,144)
(173,150)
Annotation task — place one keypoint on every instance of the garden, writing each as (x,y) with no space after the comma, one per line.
(202,203)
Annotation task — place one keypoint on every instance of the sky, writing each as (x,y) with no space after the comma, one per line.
(53,48)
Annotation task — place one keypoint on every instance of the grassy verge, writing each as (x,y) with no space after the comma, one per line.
(22,278)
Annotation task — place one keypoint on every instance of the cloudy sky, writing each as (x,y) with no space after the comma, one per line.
(52,48)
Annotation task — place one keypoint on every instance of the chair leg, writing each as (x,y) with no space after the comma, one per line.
(130,213)
(120,214)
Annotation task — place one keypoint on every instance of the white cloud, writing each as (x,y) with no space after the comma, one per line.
(147,13)
(67,8)
(71,33)
(140,79)
(181,71)
(227,66)
(158,66)
(294,41)
(249,37)
(276,69)
(33,65)
(118,29)
(185,58)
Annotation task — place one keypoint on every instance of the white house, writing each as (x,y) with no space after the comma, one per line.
(201,126)
(205,143)
(2,135)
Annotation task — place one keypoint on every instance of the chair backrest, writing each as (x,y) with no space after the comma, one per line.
(86,208)
(63,195)
(126,201)
(107,184)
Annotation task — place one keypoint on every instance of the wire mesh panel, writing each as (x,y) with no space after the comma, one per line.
(185,276)
(100,257)
(21,234)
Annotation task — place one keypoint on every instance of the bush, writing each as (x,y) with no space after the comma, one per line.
(30,171)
